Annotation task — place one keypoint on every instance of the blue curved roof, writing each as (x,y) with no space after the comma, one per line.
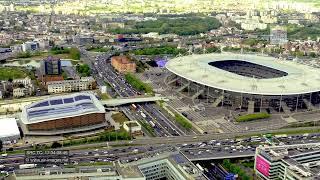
(61,107)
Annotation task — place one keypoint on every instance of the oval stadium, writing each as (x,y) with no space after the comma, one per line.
(247,81)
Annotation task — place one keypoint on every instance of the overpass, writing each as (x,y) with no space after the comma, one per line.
(245,154)
(130,100)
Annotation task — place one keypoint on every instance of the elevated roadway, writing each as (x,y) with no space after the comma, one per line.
(130,100)
(108,102)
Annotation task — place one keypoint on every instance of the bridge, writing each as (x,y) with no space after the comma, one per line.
(245,154)
(130,100)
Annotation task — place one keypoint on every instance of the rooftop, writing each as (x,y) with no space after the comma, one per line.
(122,59)
(61,107)
(300,79)
(8,128)
(295,157)
(173,159)
(131,124)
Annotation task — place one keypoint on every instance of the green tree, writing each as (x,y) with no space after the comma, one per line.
(75,53)
(56,145)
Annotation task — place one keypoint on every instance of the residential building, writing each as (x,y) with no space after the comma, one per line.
(51,66)
(25,81)
(20,92)
(30,46)
(50,70)
(123,64)
(83,39)
(278,36)
(83,84)
(253,25)
(291,162)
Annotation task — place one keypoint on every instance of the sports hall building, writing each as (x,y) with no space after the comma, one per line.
(63,114)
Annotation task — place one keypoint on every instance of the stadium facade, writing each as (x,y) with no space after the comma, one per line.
(246,81)
(63,114)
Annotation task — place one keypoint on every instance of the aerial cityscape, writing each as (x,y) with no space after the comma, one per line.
(159,89)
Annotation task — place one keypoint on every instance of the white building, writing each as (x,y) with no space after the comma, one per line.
(291,162)
(83,84)
(20,92)
(153,35)
(132,127)
(30,46)
(9,130)
(25,81)
(253,25)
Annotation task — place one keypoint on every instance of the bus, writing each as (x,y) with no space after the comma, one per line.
(200,167)
(255,139)
(152,124)
(27,166)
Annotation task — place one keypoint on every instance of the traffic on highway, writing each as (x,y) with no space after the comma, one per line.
(164,126)
(212,149)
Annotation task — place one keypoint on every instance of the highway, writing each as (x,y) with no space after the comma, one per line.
(164,126)
(194,151)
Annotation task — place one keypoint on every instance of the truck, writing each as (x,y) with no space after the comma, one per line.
(143,115)
(27,166)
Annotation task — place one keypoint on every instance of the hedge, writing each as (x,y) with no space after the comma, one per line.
(182,121)
(251,117)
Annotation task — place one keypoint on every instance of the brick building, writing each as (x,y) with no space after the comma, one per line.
(123,64)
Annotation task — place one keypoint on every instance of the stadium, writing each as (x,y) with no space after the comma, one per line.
(63,114)
(246,81)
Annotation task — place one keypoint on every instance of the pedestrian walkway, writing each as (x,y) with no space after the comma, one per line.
(227,126)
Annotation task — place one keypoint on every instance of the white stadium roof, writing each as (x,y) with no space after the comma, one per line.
(301,79)
(8,128)
(76,104)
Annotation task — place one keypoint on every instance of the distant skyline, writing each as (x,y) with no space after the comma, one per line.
(87,7)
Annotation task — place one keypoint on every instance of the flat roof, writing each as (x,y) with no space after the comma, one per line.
(8,128)
(301,79)
(294,156)
(76,104)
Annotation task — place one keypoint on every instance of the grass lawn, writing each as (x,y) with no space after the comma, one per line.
(119,117)
(105,96)
(90,164)
(13,73)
